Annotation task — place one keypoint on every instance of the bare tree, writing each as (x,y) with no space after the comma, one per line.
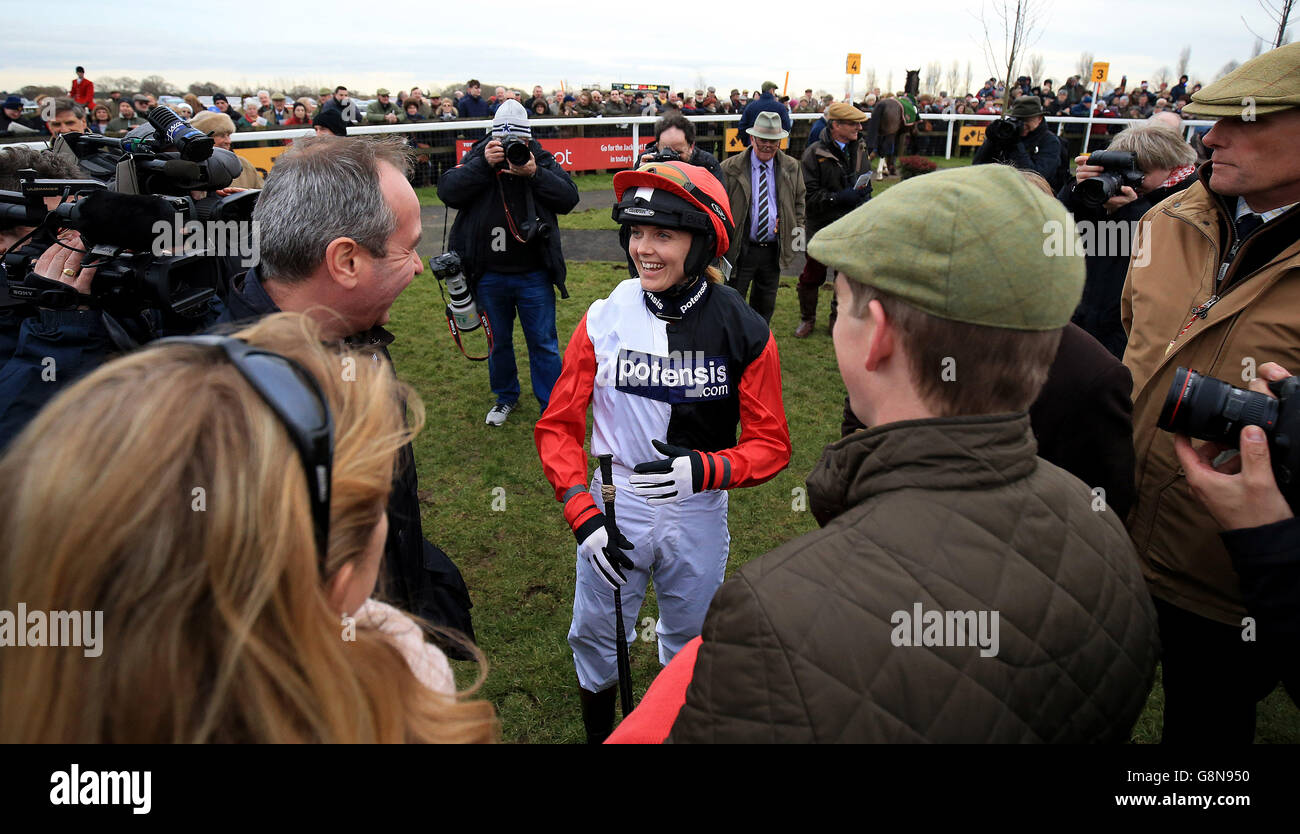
(1017,23)
(1227,68)
(1084,67)
(206,88)
(933,71)
(954,78)
(1279,15)
(1034,68)
(1184,58)
(1161,77)
(870,78)
(889,85)
(966,90)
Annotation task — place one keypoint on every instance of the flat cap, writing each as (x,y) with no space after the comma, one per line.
(926,241)
(843,112)
(1271,81)
(382,91)
(277,97)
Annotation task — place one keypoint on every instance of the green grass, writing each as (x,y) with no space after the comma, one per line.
(586,181)
(519,563)
(597,218)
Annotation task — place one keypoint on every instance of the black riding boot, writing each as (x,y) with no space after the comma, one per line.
(598,713)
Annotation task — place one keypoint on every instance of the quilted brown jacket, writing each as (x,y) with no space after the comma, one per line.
(956,514)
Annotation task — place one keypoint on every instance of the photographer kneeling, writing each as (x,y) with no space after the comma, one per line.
(1142,166)
(1022,139)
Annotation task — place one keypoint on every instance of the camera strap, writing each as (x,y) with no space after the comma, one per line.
(521,232)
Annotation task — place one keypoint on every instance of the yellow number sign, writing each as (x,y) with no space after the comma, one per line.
(1099,71)
(854,65)
(734,145)
(971,135)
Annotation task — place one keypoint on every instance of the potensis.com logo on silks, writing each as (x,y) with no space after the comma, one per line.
(681,377)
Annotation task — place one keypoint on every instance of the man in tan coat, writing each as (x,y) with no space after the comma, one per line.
(766,191)
(1219,293)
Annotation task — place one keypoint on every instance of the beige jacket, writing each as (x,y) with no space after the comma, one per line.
(1256,319)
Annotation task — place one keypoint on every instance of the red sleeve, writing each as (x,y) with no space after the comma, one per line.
(561,431)
(764,447)
(652,719)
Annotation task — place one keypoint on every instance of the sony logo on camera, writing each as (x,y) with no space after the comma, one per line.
(680,377)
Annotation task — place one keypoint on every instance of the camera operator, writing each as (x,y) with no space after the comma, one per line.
(675,134)
(339,227)
(1227,247)
(1022,139)
(1260,532)
(12,122)
(1165,164)
(47,166)
(507,236)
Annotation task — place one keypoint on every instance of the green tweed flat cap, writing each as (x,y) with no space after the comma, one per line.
(1271,81)
(965,244)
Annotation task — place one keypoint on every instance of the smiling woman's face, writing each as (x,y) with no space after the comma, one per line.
(659,255)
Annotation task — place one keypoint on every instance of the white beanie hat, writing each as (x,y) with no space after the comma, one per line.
(511,117)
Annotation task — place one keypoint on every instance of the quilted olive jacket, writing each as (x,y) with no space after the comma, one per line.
(956,515)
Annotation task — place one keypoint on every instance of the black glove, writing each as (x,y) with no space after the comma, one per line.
(851,196)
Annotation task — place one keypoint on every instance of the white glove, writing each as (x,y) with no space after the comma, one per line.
(608,561)
(680,475)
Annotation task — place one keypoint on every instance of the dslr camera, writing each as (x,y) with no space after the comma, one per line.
(1005,131)
(1121,170)
(1211,409)
(516,150)
(667,155)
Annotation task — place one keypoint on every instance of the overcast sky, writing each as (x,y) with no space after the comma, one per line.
(397,44)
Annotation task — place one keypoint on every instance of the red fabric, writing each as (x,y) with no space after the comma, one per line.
(83,92)
(653,718)
(560,432)
(764,447)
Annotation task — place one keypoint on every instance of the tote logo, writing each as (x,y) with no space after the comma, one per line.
(680,377)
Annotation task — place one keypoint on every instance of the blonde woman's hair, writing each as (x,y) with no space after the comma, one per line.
(163,491)
(1156,146)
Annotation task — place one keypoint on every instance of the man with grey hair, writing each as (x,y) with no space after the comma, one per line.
(339,227)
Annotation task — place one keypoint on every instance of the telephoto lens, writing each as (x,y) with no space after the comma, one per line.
(446,268)
(1210,409)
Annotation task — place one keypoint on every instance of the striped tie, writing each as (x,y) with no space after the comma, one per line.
(762,224)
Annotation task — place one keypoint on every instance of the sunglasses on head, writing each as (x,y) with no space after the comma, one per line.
(297,401)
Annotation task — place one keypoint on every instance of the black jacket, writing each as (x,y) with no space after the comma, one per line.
(470,186)
(1040,150)
(827,171)
(418,576)
(1082,419)
(1099,309)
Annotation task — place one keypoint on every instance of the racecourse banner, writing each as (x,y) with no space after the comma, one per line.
(581,154)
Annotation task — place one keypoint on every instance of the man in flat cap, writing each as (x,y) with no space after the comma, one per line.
(832,168)
(383,111)
(961,589)
(1030,147)
(1219,294)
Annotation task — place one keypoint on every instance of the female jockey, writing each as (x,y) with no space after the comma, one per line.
(671,362)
